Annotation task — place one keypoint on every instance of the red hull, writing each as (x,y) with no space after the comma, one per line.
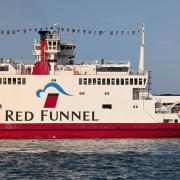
(98,130)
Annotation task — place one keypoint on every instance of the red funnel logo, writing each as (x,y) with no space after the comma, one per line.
(51,100)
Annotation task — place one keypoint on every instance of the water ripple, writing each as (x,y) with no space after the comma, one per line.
(90,159)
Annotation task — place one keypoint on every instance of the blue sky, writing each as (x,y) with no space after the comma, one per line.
(162,32)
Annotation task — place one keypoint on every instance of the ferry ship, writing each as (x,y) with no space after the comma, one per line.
(54,97)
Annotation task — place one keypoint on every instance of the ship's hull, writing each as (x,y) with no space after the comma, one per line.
(98,130)
(42,108)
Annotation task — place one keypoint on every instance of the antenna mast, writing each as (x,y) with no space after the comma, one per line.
(141,58)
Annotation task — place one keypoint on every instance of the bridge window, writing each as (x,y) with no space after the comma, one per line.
(140,81)
(144,81)
(37,47)
(135,81)
(131,81)
(127,81)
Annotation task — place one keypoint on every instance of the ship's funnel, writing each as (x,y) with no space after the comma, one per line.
(141,58)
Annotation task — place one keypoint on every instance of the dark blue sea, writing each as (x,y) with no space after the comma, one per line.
(90,159)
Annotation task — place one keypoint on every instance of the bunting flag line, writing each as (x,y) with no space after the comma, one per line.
(114,33)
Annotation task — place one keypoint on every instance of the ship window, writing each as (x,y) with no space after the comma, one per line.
(135,94)
(106,106)
(131,81)
(49,43)
(62,47)
(165,120)
(144,81)
(127,81)
(37,47)
(108,81)
(112,81)
(176,120)
(0,80)
(68,47)
(19,80)
(106,93)
(14,80)
(117,81)
(140,81)
(4,81)
(85,81)
(81,93)
(4,68)
(122,81)
(89,81)
(135,106)
(9,80)
(135,81)
(99,81)
(103,81)
(80,81)
(94,81)
(54,43)
(23,80)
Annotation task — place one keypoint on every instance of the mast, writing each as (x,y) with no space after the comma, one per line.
(141,58)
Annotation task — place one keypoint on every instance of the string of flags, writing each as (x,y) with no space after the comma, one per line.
(72,30)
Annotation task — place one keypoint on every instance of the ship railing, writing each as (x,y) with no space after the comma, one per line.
(63,69)
(131,72)
(8,61)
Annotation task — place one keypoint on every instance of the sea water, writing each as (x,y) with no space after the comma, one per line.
(90,159)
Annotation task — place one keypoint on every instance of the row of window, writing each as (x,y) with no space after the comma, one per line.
(112,81)
(106,93)
(14,81)
(170,121)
